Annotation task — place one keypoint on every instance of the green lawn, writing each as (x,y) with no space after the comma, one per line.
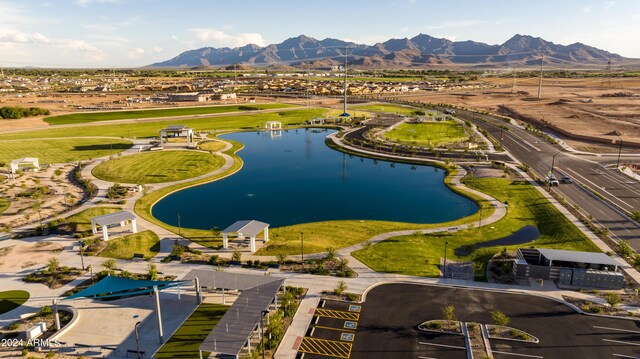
(61,150)
(125,115)
(204,237)
(212,146)
(12,299)
(152,129)
(81,221)
(157,167)
(4,204)
(428,133)
(184,343)
(420,254)
(389,108)
(146,243)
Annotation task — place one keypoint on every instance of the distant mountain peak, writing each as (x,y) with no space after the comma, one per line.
(420,50)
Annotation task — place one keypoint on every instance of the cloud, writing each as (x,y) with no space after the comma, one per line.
(157,49)
(609,4)
(85,3)
(112,26)
(174,37)
(214,37)
(135,53)
(586,9)
(39,39)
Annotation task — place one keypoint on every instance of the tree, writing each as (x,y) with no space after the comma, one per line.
(341,286)
(153,271)
(636,216)
(499,318)
(281,258)
(236,255)
(274,329)
(52,265)
(449,312)
(216,231)
(342,264)
(288,303)
(331,253)
(613,299)
(110,266)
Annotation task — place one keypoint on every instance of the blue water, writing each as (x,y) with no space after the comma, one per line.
(295,178)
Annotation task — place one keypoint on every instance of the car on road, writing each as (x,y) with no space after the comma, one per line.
(566,180)
(449,112)
(552,181)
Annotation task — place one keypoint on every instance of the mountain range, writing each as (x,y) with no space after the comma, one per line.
(419,51)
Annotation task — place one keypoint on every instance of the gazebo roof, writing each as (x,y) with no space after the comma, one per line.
(247,227)
(24,160)
(113,218)
(122,287)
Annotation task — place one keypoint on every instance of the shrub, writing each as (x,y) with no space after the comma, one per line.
(449,312)
(499,318)
(353,297)
(613,299)
(236,255)
(435,325)
(341,286)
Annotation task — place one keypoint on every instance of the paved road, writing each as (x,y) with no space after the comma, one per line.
(537,153)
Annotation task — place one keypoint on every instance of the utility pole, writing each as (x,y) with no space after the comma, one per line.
(302,247)
(541,70)
(345,81)
(514,88)
(619,151)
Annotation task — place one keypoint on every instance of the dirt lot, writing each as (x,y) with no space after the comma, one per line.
(16,257)
(52,192)
(575,105)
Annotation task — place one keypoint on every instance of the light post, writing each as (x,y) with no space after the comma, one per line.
(445,259)
(262,327)
(619,151)
(553,161)
(302,247)
(82,253)
(138,341)
(91,271)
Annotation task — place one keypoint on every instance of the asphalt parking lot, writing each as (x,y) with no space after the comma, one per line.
(387,326)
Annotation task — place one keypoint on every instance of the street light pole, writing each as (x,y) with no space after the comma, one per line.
(138,341)
(262,327)
(553,162)
(445,259)
(82,254)
(302,246)
(619,151)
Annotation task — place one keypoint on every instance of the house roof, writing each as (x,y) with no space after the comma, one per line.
(577,257)
(236,326)
(113,218)
(247,227)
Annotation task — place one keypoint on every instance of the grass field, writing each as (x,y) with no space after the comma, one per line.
(12,299)
(185,341)
(81,221)
(146,243)
(212,146)
(152,129)
(428,133)
(420,254)
(4,204)
(204,237)
(61,150)
(157,167)
(388,108)
(128,115)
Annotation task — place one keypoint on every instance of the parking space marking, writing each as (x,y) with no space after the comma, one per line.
(617,329)
(355,308)
(425,358)
(347,337)
(338,329)
(337,314)
(326,347)
(621,342)
(516,354)
(443,345)
(624,356)
(350,325)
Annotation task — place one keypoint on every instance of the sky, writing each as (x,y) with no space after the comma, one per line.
(132,33)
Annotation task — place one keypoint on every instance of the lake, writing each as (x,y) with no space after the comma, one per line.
(295,178)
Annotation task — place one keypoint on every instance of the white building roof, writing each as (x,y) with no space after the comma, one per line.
(577,257)
(248,228)
(113,218)
(25,160)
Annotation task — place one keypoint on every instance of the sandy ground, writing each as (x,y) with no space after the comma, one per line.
(22,209)
(576,105)
(16,257)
